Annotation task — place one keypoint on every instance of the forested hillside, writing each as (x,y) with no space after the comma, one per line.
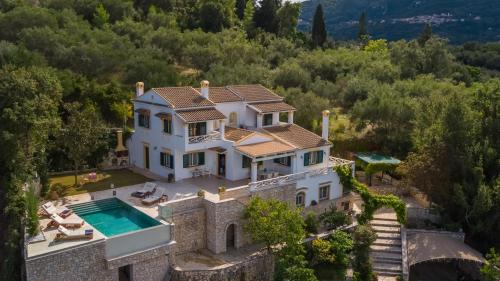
(458,20)
(67,60)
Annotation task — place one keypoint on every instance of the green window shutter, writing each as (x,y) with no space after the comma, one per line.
(162,158)
(289,161)
(201,158)
(171,161)
(306,158)
(185,160)
(320,156)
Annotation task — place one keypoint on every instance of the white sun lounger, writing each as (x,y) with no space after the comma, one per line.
(50,209)
(66,234)
(56,220)
(148,187)
(152,199)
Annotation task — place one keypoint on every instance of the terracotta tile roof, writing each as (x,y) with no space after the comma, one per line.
(182,97)
(296,136)
(256,92)
(221,94)
(265,148)
(278,106)
(201,114)
(236,134)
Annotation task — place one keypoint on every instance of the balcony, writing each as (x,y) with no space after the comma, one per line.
(211,136)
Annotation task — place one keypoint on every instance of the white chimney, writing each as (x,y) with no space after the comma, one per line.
(204,88)
(325,124)
(119,141)
(139,89)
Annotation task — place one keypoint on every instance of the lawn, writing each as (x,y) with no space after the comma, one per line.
(104,180)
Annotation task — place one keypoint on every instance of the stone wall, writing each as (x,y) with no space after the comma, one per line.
(324,205)
(258,267)
(86,262)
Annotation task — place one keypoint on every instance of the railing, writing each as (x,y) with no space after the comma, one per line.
(334,161)
(205,138)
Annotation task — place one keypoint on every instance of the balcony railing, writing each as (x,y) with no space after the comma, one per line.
(287,179)
(205,138)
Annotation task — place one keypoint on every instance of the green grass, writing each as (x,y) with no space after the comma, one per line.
(104,179)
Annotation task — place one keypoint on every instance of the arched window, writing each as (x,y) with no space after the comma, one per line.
(233,119)
(300,199)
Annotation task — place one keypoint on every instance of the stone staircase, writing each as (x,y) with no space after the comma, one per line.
(386,250)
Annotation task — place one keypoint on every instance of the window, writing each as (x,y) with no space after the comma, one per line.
(267,120)
(144,119)
(167,126)
(197,129)
(246,161)
(313,157)
(286,161)
(233,119)
(324,192)
(300,199)
(193,159)
(166,160)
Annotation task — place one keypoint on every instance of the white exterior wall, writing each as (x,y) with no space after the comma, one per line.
(300,158)
(310,185)
(228,107)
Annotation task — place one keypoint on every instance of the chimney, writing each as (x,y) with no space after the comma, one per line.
(139,89)
(325,124)
(119,141)
(204,88)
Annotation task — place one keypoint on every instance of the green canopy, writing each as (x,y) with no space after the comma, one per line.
(374,158)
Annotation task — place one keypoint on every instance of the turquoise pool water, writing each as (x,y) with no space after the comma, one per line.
(112,216)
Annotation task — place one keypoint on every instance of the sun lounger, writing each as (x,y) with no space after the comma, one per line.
(154,199)
(56,220)
(49,209)
(66,234)
(148,189)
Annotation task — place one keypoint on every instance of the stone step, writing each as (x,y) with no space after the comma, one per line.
(388,267)
(387,261)
(389,242)
(382,273)
(386,249)
(385,223)
(388,235)
(384,256)
(387,229)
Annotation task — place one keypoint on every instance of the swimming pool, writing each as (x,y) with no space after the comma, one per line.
(113,216)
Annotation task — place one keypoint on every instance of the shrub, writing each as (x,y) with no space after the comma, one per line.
(312,223)
(333,219)
(201,193)
(32,222)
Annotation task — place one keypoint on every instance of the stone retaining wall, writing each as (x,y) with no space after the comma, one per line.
(258,267)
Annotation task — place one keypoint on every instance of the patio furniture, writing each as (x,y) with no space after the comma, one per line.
(49,209)
(149,193)
(56,221)
(155,199)
(148,188)
(66,234)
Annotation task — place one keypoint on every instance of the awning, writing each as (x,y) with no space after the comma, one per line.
(424,247)
(374,158)
(142,111)
(164,115)
(264,148)
(198,115)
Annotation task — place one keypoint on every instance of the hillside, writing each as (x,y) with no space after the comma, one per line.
(458,20)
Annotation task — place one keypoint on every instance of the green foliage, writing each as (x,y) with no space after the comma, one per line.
(425,35)
(363,237)
(491,269)
(321,252)
(333,219)
(318,32)
(335,252)
(311,223)
(32,223)
(101,16)
(371,201)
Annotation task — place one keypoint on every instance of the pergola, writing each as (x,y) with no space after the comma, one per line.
(373,163)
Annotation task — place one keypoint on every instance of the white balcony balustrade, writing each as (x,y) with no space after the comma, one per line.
(214,135)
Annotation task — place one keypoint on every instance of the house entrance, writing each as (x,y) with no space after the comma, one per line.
(221,165)
(124,273)
(230,237)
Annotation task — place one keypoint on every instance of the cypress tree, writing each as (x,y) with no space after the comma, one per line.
(265,15)
(318,32)
(425,35)
(240,8)
(363,32)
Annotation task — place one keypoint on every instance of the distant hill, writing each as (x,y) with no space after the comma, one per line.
(457,20)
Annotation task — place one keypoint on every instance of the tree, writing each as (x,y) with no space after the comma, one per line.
(491,269)
(248,15)
(82,134)
(265,15)
(362,32)
(287,17)
(240,8)
(318,32)
(363,237)
(425,35)
(101,16)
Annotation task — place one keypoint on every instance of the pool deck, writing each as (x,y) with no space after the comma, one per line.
(177,190)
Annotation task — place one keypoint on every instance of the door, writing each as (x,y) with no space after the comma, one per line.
(146,157)
(230,237)
(221,165)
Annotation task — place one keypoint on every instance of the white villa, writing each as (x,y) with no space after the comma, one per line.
(233,132)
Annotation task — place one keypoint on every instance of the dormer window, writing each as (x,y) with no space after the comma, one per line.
(267,120)
(143,118)
(313,157)
(197,129)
